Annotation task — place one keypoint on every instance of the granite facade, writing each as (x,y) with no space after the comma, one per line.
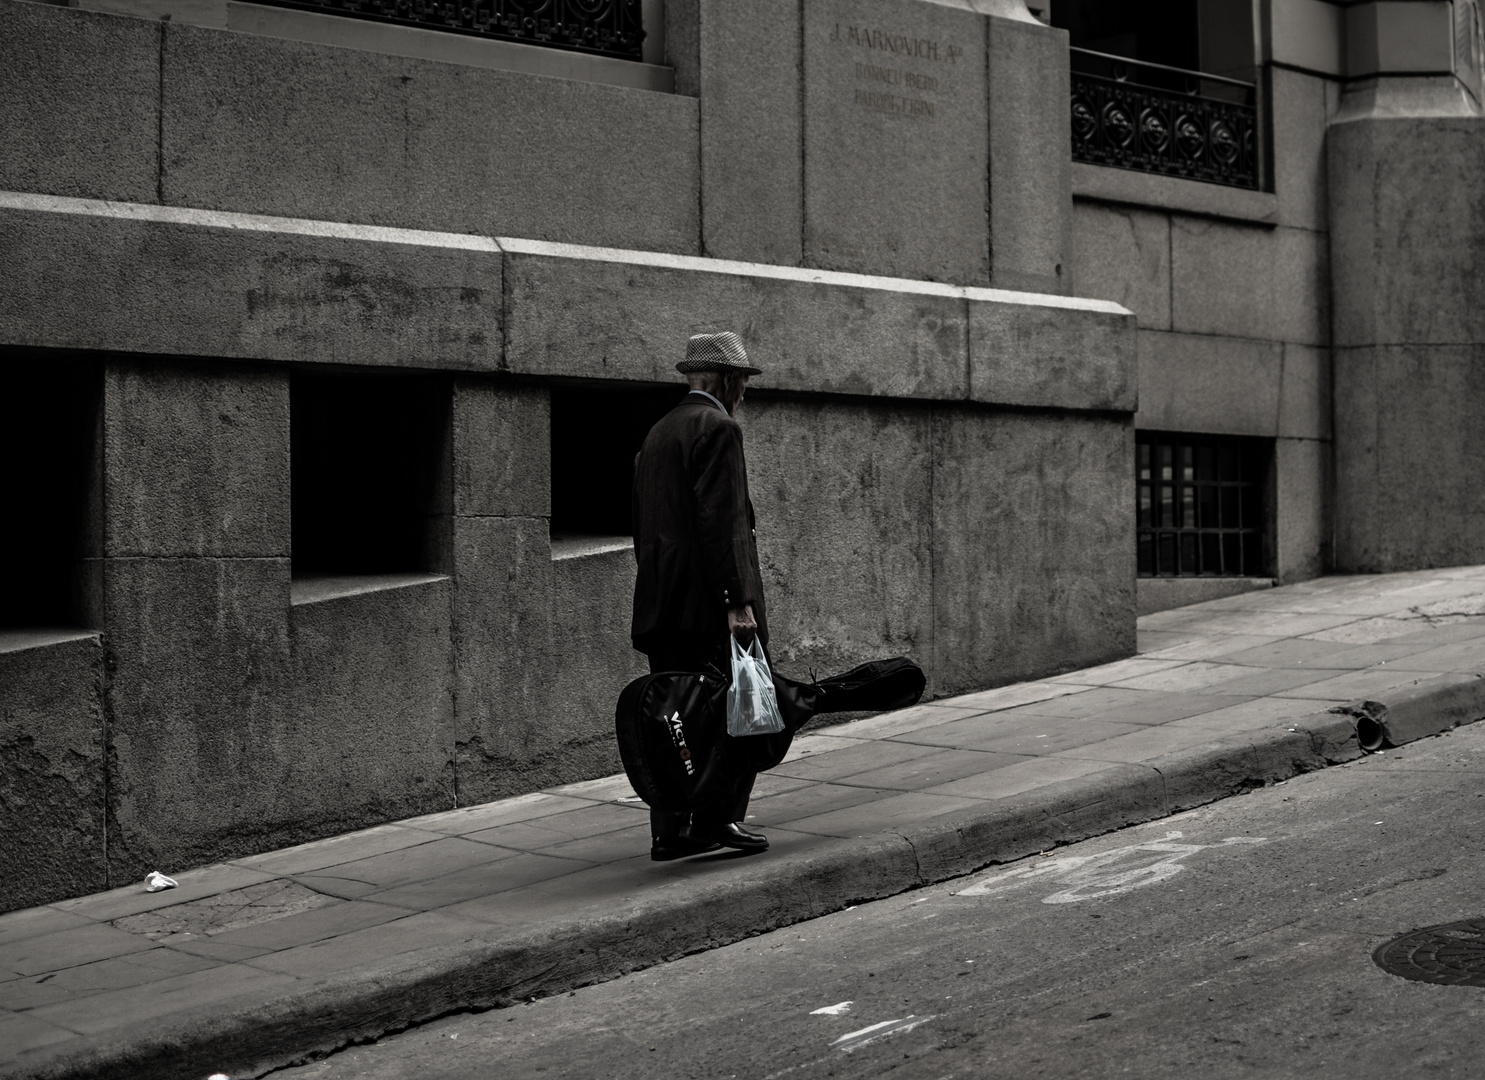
(1233,293)
(942,466)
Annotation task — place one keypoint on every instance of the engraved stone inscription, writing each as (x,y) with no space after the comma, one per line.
(903,91)
(896,154)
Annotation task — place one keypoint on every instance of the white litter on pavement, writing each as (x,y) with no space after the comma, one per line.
(1108,873)
(155,883)
(833,1010)
(878,1031)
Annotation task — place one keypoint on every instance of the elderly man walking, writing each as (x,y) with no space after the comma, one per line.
(698,583)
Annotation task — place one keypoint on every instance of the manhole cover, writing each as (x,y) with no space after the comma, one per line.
(1452,954)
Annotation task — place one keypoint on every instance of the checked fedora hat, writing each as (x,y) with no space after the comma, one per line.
(722,352)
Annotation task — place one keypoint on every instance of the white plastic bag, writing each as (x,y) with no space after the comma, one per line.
(157,882)
(752,707)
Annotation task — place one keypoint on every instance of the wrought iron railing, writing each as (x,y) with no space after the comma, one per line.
(1151,118)
(606,27)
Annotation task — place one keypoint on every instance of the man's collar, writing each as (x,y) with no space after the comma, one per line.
(713,400)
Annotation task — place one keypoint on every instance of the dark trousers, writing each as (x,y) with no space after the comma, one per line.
(731,801)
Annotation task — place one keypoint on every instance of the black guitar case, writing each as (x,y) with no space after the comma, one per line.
(672,725)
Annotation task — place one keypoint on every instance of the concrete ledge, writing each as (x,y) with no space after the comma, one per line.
(1038,355)
(1097,183)
(578,547)
(608,313)
(267,1029)
(132,277)
(1162,594)
(314,590)
(598,313)
(21,640)
(127,277)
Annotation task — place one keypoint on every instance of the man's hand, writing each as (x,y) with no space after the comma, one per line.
(741,623)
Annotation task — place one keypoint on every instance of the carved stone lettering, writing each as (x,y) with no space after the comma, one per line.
(894,103)
(908,47)
(903,45)
(896,139)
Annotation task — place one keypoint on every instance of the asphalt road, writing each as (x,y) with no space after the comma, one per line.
(1231,941)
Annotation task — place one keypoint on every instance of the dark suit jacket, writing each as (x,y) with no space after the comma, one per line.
(693,529)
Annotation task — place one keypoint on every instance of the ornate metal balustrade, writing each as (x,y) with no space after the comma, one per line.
(1168,121)
(606,27)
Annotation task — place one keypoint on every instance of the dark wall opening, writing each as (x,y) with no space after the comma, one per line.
(1217,37)
(369,472)
(1204,505)
(595,435)
(1156,31)
(50,411)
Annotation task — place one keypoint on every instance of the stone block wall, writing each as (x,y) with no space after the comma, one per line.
(862,135)
(213,218)
(164,112)
(241,705)
(53,794)
(1233,294)
(936,470)
(1332,311)
(1408,246)
(941,468)
(923,139)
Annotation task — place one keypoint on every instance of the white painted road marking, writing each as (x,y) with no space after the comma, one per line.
(1106,874)
(871,1034)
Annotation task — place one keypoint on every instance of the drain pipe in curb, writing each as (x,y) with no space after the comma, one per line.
(1427,707)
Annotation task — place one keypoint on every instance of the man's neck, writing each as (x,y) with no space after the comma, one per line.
(710,398)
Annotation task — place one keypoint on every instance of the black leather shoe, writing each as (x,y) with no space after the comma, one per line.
(733,835)
(665,848)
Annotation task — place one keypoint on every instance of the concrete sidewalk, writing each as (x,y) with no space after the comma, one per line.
(262,961)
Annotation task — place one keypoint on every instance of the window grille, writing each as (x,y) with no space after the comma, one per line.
(1201,505)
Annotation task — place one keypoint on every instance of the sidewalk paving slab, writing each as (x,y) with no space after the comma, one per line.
(262,961)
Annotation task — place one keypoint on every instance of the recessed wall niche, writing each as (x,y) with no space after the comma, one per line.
(595,435)
(49,488)
(369,472)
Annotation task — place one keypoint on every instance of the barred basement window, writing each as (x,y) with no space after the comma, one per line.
(1202,505)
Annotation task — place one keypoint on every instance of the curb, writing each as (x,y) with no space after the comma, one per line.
(271,1030)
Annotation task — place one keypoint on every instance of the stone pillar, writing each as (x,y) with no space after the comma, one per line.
(502,589)
(743,63)
(1407,236)
(1030,152)
(195,607)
